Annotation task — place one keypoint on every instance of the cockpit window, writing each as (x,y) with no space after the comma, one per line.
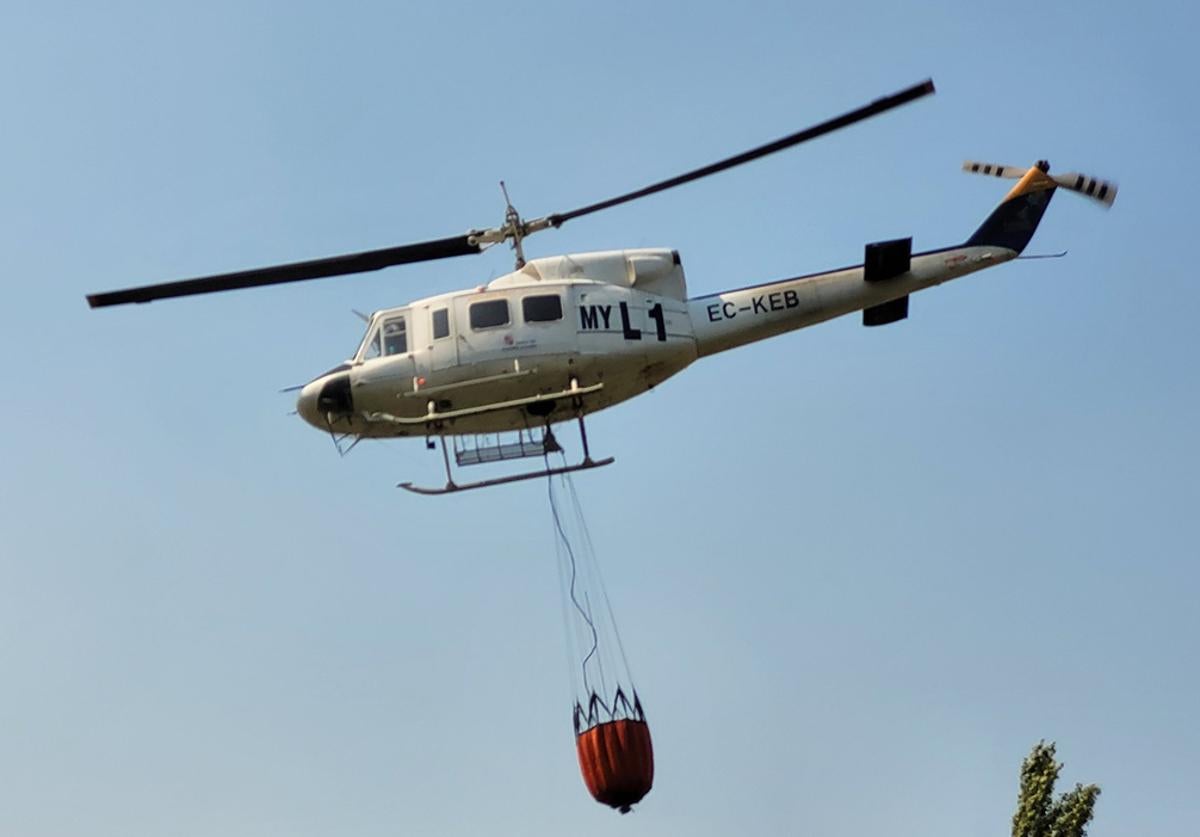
(395,337)
(388,338)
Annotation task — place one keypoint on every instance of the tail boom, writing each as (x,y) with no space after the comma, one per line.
(745,315)
(881,285)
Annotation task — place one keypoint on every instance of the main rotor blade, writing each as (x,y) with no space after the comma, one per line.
(878,106)
(423,251)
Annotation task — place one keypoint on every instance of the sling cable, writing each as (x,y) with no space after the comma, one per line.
(612,739)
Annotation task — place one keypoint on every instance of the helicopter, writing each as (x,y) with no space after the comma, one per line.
(489,371)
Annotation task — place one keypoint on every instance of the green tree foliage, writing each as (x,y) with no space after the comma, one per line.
(1039,814)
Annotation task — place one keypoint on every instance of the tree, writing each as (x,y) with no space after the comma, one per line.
(1039,814)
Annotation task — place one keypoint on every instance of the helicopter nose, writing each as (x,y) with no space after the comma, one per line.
(326,398)
(306,404)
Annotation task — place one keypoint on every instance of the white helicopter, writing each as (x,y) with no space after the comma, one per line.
(489,370)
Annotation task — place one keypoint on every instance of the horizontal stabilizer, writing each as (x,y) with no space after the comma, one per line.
(887,259)
(887,312)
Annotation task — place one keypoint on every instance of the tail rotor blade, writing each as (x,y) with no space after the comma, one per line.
(1104,191)
(1010,172)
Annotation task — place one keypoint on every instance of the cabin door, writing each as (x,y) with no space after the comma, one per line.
(442,349)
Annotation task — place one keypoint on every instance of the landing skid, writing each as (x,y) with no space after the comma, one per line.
(548,444)
(452,486)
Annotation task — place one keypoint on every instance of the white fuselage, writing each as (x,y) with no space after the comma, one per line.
(570,335)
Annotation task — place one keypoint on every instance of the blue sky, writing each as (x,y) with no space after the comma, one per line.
(858,572)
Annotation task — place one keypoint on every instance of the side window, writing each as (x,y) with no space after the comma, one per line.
(441,323)
(395,337)
(542,309)
(489,314)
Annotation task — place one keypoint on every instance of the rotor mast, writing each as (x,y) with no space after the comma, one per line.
(514,230)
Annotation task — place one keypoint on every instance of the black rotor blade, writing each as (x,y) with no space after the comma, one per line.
(424,251)
(878,106)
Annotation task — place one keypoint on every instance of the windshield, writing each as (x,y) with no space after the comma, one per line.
(369,348)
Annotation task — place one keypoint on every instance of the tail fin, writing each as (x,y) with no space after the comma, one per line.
(1014,221)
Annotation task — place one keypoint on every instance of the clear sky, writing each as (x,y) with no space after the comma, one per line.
(859,572)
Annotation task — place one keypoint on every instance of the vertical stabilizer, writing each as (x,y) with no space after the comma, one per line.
(1014,221)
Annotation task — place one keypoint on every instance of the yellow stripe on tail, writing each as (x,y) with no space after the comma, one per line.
(1034,180)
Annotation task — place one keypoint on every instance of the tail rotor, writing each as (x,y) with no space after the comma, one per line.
(1103,191)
